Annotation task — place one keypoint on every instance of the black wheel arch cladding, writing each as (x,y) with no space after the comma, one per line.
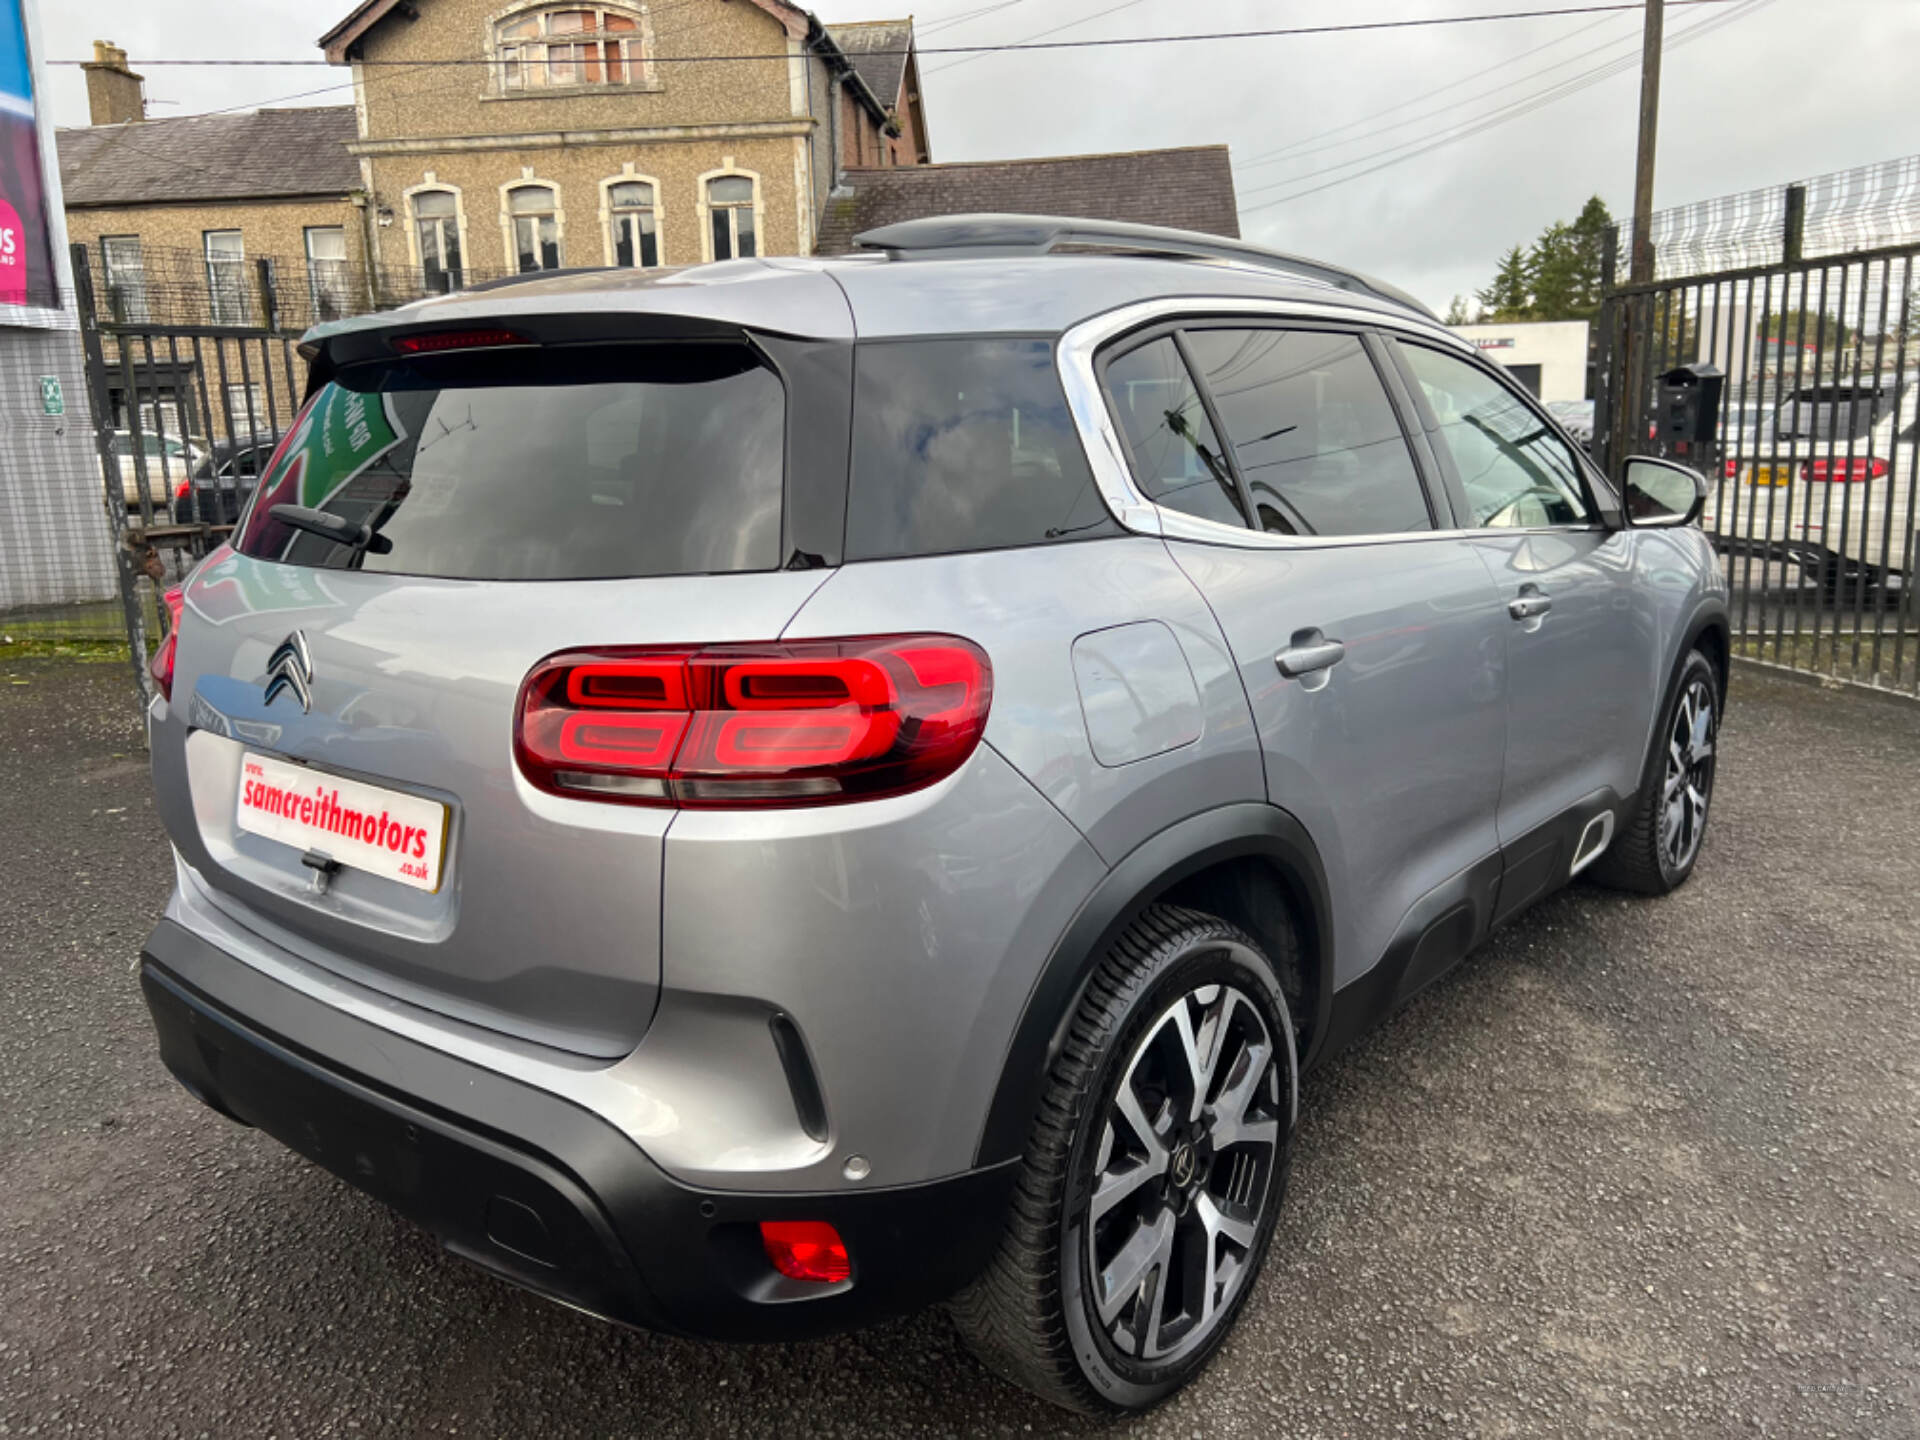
(1188,848)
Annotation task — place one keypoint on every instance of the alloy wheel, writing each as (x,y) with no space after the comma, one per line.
(1688,787)
(1183,1174)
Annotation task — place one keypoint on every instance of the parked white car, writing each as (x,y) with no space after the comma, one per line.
(168,464)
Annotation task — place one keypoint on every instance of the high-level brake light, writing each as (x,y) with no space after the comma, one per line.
(806,723)
(433,341)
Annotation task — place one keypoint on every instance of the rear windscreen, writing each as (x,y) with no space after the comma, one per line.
(1835,412)
(965,445)
(560,464)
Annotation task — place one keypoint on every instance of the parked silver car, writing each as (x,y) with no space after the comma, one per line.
(753,799)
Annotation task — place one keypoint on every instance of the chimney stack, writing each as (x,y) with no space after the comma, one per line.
(114,93)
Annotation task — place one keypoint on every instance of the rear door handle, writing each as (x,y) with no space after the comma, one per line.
(1308,653)
(1529,604)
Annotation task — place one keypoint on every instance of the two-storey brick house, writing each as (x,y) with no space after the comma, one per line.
(499,137)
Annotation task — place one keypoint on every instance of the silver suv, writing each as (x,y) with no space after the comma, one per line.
(753,799)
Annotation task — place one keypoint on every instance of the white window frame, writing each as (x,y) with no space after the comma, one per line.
(327,276)
(132,280)
(530,181)
(629,176)
(432,183)
(236,289)
(729,171)
(236,414)
(637,47)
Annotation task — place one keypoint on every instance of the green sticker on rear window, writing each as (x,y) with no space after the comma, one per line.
(347,431)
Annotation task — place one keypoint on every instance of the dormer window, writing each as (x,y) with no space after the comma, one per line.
(570,48)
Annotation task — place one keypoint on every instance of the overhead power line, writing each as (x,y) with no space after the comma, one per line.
(1319,140)
(1043,34)
(1513,110)
(1353,27)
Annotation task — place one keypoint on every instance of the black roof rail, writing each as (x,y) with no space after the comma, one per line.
(947,236)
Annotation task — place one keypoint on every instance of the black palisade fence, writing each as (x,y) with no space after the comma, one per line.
(1813,465)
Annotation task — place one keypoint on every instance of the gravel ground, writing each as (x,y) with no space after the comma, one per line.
(1638,1168)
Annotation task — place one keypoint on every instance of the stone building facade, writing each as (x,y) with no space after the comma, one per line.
(613,133)
(488,138)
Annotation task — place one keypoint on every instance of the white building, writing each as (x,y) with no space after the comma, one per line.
(56,546)
(1549,357)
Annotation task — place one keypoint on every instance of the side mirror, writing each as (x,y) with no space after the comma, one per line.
(1663,492)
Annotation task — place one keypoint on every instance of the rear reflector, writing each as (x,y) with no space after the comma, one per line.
(161,666)
(806,1250)
(434,341)
(807,723)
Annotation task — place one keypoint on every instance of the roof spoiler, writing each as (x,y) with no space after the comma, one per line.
(952,236)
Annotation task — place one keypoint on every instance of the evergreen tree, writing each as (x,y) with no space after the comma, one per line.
(1457,311)
(1588,235)
(1555,263)
(1510,296)
(1558,278)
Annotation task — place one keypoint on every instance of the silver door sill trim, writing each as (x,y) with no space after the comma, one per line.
(1593,842)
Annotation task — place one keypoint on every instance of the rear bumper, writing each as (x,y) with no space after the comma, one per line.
(541,1192)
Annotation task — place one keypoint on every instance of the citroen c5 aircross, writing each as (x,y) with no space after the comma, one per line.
(752,799)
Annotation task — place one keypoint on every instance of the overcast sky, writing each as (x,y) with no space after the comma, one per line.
(1774,90)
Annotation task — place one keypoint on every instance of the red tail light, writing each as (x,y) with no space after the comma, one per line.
(1845,471)
(808,723)
(161,666)
(806,1250)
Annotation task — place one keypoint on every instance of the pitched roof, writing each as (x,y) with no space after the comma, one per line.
(194,158)
(877,50)
(1190,188)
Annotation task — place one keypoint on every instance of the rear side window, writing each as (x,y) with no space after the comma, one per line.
(1178,462)
(1316,438)
(964,445)
(569,463)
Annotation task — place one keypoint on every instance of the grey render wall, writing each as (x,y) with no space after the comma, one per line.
(55,541)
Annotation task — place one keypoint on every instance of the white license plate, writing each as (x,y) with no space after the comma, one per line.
(383,832)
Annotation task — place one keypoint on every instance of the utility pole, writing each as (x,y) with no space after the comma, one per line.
(1640,269)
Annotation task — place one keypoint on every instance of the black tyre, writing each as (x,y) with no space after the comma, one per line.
(1150,1187)
(1661,834)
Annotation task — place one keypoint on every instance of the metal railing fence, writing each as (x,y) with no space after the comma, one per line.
(1814,470)
(165,285)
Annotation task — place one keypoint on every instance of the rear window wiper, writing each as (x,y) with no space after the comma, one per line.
(353,534)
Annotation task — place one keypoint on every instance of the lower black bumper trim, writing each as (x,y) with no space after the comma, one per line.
(533,1187)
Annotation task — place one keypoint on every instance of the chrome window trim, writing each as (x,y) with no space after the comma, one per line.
(1106,454)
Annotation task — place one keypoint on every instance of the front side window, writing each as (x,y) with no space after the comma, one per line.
(1178,462)
(630,212)
(226,276)
(327,270)
(965,445)
(730,212)
(436,223)
(1513,466)
(536,228)
(1316,439)
(126,278)
(560,48)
